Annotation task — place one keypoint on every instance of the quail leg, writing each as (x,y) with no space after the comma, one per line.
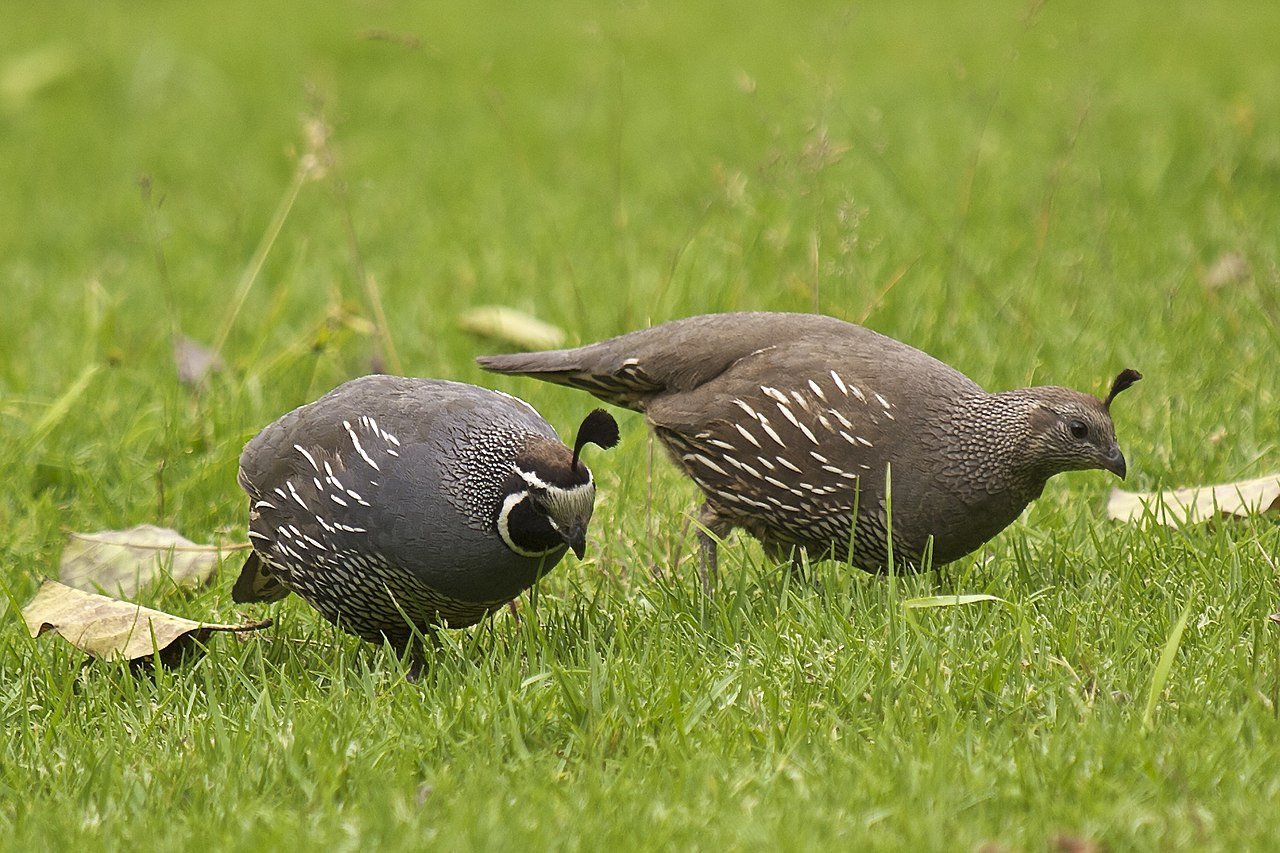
(712,526)
(415,651)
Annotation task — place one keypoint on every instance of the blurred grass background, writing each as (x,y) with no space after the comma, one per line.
(1033,192)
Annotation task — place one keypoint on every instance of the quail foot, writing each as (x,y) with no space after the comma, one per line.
(394,504)
(808,432)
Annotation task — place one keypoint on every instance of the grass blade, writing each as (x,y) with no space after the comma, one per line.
(926,601)
(1161,674)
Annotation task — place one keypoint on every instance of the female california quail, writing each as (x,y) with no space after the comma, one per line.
(392,502)
(795,424)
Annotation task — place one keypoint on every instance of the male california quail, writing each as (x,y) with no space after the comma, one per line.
(794,424)
(392,501)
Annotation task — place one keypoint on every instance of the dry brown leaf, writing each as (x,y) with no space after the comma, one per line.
(194,361)
(1195,504)
(1229,268)
(511,326)
(112,629)
(121,562)
(1073,844)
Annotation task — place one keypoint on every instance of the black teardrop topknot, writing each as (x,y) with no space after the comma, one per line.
(1127,377)
(598,428)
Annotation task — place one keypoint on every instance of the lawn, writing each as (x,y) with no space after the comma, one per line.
(1037,193)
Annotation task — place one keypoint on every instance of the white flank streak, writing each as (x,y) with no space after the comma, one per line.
(313,543)
(857,392)
(785,464)
(752,471)
(777,483)
(800,400)
(261,504)
(734,462)
(766,463)
(831,469)
(326,525)
(816,455)
(774,393)
(842,419)
(391,452)
(253,534)
(748,436)
(630,362)
(840,383)
(294,494)
(319,487)
(826,424)
(883,402)
(705,461)
(390,439)
(808,433)
(356,498)
(817,390)
(279,491)
(888,414)
(310,458)
(723,445)
(848,438)
(790,416)
(764,424)
(338,500)
(864,442)
(355,441)
(746,408)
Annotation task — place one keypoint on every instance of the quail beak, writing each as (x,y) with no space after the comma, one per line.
(1114,462)
(576,537)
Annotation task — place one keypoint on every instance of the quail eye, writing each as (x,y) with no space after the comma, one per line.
(1079,429)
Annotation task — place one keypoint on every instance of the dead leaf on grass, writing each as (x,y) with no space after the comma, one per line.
(1073,844)
(1229,268)
(112,629)
(511,326)
(194,361)
(1196,504)
(121,562)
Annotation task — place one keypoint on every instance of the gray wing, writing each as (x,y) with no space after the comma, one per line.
(682,355)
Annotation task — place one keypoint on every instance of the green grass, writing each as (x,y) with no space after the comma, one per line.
(1032,192)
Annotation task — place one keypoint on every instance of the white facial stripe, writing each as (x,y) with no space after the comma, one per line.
(504,528)
(536,482)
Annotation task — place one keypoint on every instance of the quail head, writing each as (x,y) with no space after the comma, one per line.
(810,433)
(393,504)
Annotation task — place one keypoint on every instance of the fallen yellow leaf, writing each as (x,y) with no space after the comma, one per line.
(110,628)
(511,326)
(1196,504)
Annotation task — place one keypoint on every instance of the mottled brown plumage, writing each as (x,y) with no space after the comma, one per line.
(795,424)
